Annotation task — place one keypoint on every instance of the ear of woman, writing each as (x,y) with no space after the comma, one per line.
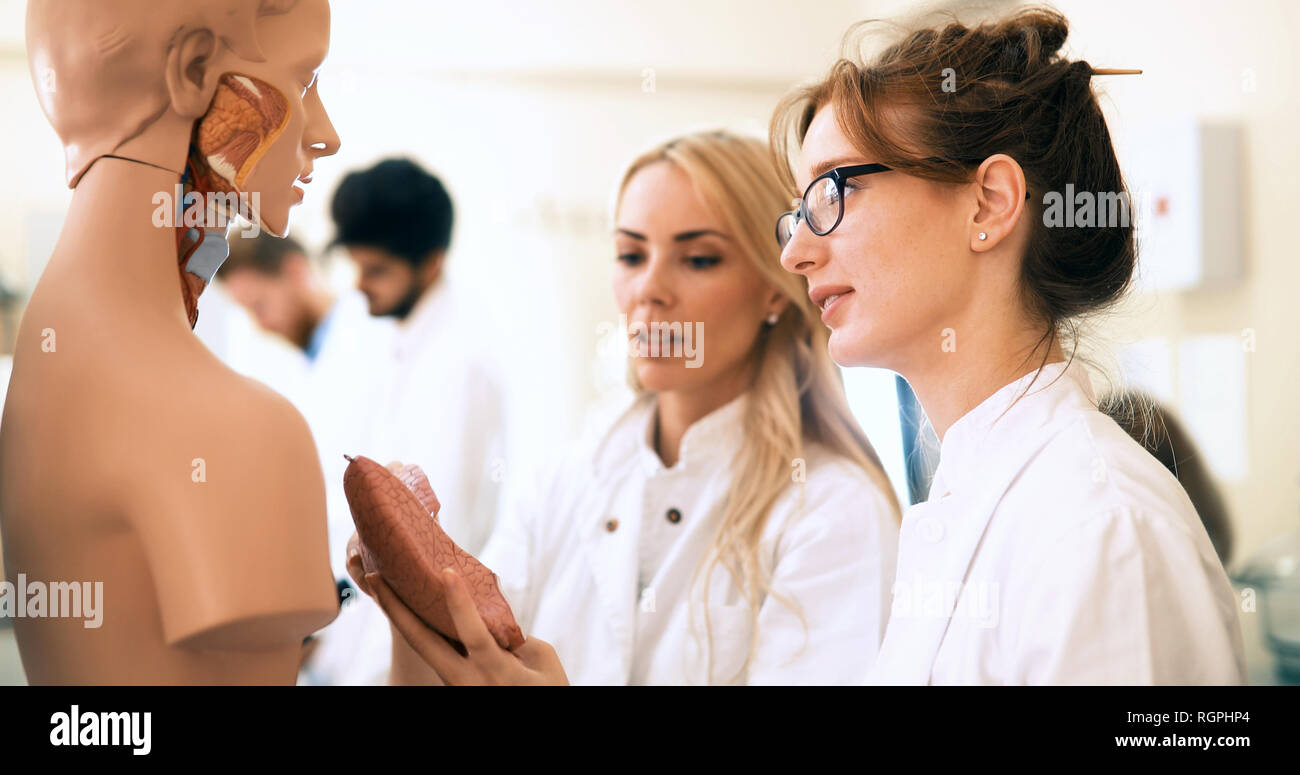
(1000,194)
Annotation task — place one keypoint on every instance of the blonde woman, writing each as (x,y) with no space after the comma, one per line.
(733,525)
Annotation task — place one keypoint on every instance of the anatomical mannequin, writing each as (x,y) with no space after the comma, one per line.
(129,454)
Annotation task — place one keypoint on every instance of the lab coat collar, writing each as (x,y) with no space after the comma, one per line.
(1003,422)
(714,437)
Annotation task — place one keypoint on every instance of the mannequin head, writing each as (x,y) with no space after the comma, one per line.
(131,78)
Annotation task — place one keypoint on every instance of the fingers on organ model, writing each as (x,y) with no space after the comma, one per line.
(400,538)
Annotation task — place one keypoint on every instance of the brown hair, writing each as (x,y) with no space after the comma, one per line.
(264,254)
(1013,93)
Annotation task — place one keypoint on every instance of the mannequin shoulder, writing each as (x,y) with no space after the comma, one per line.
(210,397)
(246,443)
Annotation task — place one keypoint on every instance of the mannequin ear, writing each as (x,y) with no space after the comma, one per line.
(191,77)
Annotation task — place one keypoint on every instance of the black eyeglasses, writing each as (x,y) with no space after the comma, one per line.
(822,205)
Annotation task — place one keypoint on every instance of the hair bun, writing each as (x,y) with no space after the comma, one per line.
(1052,30)
(1033,37)
(1023,43)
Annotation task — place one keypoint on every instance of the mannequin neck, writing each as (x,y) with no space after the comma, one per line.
(110,236)
(165,144)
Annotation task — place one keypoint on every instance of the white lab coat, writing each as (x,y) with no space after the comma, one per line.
(440,406)
(612,599)
(444,410)
(1056,550)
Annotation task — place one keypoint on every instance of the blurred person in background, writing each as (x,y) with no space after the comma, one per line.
(732,523)
(442,402)
(343,351)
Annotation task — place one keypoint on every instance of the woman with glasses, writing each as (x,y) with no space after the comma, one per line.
(733,525)
(1053,548)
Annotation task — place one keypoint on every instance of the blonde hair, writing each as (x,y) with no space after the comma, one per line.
(797,395)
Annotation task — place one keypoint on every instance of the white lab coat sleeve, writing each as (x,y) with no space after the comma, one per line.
(1124,597)
(514,550)
(836,562)
(481,443)
(461,449)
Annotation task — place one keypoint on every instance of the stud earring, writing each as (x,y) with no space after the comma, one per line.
(771,319)
(983,236)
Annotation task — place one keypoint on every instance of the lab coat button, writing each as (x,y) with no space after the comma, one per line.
(674,516)
(611,525)
(930,530)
